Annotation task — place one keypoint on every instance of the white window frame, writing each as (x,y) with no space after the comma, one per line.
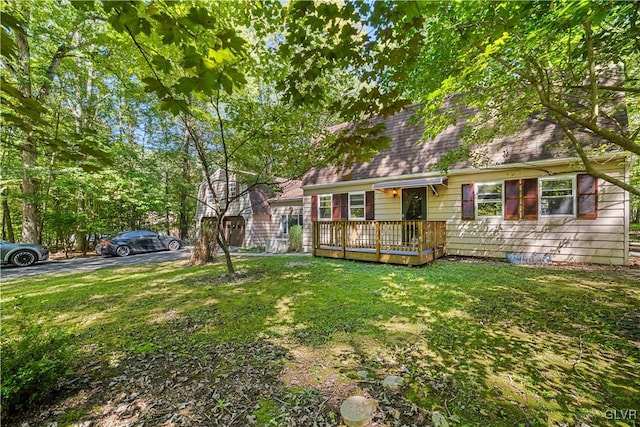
(364,206)
(330,196)
(574,194)
(477,199)
(285,227)
(233,189)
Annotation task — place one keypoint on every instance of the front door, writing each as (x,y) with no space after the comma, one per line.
(414,204)
(414,208)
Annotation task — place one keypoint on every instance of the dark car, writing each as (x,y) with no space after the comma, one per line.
(22,254)
(137,241)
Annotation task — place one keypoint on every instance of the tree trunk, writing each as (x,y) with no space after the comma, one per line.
(29,182)
(7,226)
(166,200)
(30,192)
(224,245)
(81,233)
(204,250)
(186,182)
(30,206)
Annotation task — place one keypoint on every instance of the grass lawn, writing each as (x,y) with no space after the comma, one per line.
(483,344)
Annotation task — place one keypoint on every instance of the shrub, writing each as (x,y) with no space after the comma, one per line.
(32,366)
(295,238)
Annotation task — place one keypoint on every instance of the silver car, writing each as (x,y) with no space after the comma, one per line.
(22,254)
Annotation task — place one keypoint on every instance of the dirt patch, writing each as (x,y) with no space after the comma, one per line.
(71,254)
(257,383)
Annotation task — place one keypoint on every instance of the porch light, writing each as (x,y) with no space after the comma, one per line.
(394,192)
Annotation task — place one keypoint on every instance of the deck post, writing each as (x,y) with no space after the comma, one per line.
(314,237)
(378,239)
(343,237)
(420,240)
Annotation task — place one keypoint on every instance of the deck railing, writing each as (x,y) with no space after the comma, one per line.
(401,242)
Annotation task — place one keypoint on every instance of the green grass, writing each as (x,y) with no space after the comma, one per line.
(487,344)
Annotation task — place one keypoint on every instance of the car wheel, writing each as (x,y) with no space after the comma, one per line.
(174,245)
(23,258)
(123,251)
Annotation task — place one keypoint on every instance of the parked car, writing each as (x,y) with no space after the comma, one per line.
(22,254)
(137,241)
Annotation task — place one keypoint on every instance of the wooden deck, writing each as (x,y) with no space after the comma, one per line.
(393,242)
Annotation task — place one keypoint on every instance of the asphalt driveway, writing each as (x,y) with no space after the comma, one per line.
(78,265)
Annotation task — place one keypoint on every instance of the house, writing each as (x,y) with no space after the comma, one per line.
(257,214)
(523,198)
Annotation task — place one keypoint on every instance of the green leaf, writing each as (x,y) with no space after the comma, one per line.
(220,56)
(174,106)
(84,5)
(154,86)
(161,63)
(201,16)
(191,57)
(186,85)
(114,20)
(227,83)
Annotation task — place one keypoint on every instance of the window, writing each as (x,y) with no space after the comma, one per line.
(288,221)
(233,190)
(489,200)
(356,206)
(324,207)
(557,196)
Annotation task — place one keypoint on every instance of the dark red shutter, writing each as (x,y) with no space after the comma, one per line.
(587,196)
(468,202)
(314,208)
(335,207)
(530,198)
(344,205)
(369,206)
(512,199)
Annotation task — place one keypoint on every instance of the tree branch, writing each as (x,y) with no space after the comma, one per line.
(593,80)
(612,88)
(588,165)
(61,52)
(625,143)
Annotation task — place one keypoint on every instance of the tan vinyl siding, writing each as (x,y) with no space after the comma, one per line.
(306,228)
(601,240)
(260,231)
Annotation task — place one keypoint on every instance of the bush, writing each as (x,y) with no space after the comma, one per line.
(32,366)
(295,238)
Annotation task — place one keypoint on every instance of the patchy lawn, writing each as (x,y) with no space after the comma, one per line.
(480,343)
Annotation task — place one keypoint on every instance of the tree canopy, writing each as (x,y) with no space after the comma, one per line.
(575,62)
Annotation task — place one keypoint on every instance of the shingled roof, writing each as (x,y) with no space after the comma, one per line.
(408,153)
(262,196)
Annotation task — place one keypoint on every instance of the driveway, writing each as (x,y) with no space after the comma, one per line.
(79,265)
